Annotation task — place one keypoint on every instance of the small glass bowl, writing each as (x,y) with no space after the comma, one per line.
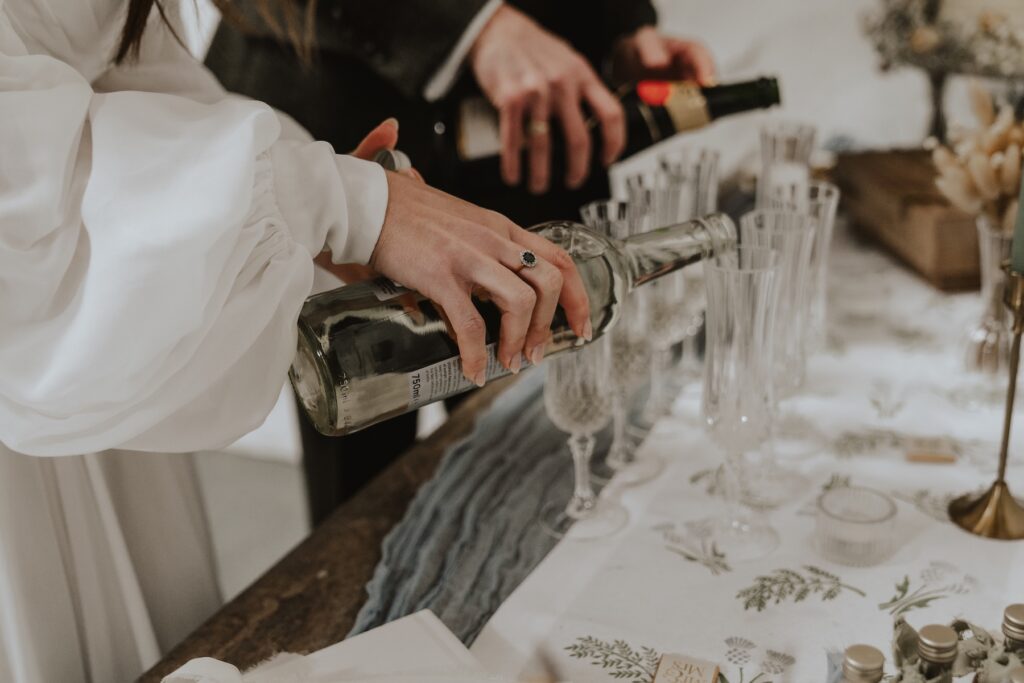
(855,526)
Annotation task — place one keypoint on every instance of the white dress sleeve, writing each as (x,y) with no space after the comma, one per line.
(155,250)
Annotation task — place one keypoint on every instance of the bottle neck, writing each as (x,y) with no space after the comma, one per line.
(734,98)
(659,252)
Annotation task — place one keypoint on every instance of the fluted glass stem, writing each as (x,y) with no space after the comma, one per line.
(620,454)
(583,499)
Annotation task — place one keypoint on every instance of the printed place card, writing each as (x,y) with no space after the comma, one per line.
(683,669)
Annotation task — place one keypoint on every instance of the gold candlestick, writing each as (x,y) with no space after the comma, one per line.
(996,514)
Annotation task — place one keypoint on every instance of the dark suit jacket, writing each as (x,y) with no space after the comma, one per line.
(374,61)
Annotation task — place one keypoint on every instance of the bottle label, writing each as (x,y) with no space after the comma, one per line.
(444,379)
(385,289)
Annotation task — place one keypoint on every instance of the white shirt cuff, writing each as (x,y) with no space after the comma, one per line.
(366,202)
(442,81)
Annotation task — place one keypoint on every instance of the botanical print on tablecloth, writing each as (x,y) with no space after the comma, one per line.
(939,580)
(740,653)
(788,584)
(710,479)
(935,505)
(810,508)
(693,543)
(617,658)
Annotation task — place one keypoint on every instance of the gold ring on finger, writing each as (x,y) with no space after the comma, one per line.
(539,127)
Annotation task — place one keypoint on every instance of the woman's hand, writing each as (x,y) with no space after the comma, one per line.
(649,54)
(447,249)
(531,75)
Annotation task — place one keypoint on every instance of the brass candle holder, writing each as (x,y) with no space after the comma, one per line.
(995,513)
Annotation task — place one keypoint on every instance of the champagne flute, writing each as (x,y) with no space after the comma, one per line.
(819,200)
(630,352)
(786,149)
(738,400)
(578,402)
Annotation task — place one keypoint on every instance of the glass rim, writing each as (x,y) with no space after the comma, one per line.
(715,261)
(802,216)
(610,201)
(889,503)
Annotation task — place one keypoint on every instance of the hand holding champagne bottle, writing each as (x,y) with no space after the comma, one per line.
(540,88)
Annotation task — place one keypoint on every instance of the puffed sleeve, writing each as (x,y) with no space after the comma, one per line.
(155,250)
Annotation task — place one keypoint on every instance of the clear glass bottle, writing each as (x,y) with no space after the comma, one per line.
(937,647)
(370,351)
(862,664)
(1013,628)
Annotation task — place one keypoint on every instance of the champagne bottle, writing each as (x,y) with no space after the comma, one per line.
(654,110)
(371,351)
(862,664)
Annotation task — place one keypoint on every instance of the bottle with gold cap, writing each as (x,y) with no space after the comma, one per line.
(1013,628)
(937,648)
(862,664)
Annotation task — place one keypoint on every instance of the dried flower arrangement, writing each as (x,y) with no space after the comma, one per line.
(914,32)
(980,170)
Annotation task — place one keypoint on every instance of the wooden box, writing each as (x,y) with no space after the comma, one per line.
(891,197)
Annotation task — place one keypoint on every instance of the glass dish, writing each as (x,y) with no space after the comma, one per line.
(855,526)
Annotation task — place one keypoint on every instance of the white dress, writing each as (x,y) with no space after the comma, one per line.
(156,243)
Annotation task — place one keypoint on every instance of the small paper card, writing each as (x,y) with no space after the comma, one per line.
(683,669)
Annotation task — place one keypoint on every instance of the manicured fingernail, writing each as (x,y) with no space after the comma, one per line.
(517,362)
(588,330)
(537,354)
(480,379)
(392,121)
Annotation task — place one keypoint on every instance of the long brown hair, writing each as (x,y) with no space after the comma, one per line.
(291,20)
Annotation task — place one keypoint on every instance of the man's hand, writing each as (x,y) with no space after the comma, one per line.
(531,75)
(649,54)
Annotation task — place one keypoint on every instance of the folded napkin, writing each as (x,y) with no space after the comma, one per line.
(417,648)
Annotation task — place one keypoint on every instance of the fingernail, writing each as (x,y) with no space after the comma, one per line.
(588,330)
(391,120)
(537,354)
(480,379)
(517,362)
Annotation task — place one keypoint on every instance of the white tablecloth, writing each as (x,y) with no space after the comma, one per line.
(604,610)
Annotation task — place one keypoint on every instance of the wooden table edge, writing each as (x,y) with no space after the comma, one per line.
(310,598)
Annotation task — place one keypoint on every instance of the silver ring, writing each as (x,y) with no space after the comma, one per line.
(539,127)
(528,258)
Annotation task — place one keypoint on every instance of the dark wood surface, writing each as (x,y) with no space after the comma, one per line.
(310,599)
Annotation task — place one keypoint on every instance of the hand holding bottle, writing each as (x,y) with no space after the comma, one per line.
(532,76)
(647,54)
(447,249)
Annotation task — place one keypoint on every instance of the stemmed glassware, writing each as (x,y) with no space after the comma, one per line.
(630,351)
(699,173)
(785,156)
(988,343)
(738,400)
(578,402)
(819,200)
(683,186)
(791,235)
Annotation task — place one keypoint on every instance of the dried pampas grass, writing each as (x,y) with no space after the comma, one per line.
(980,170)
